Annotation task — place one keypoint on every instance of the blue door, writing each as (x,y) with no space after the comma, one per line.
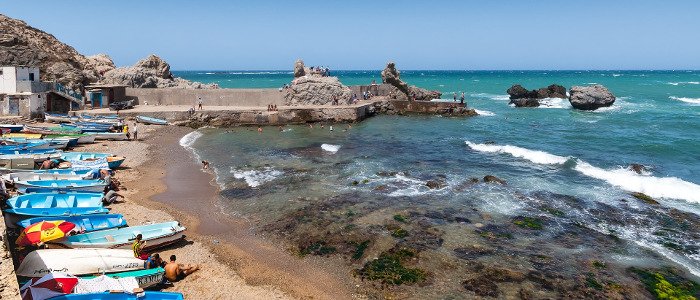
(96,99)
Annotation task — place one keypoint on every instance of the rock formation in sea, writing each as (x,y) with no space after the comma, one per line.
(392,76)
(23,45)
(590,97)
(522,97)
(314,89)
(150,72)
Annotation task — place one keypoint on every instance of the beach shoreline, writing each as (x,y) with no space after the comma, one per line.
(165,185)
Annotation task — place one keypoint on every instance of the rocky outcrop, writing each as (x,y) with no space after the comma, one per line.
(590,97)
(317,90)
(402,91)
(299,68)
(522,97)
(150,72)
(23,45)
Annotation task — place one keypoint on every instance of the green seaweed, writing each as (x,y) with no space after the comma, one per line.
(317,248)
(529,223)
(355,182)
(645,198)
(669,287)
(591,282)
(399,233)
(599,264)
(553,211)
(389,268)
(365,181)
(400,218)
(360,250)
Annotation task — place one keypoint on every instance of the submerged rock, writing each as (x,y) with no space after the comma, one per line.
(590,97)
(645,198)
(638,168)
(494,179)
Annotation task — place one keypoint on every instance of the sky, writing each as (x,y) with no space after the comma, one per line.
(365,35)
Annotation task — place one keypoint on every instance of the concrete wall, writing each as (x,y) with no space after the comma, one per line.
(8,80)
(210,97)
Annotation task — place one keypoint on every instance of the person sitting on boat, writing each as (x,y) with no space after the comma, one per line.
(138,246)
(50,163)
(154,261)
(176,272)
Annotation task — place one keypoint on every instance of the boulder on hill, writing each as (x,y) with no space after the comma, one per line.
(150,72)
(590,97)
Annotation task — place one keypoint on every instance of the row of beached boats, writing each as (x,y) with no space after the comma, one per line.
(97,249)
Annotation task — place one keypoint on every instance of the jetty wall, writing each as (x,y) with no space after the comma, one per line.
(210,97)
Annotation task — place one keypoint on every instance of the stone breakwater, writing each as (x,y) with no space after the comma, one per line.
(223,116)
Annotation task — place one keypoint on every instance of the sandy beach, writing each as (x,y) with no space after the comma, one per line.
(162,182)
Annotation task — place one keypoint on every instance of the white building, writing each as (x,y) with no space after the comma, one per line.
(22,93)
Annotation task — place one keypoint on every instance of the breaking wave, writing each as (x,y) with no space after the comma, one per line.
(660,187)
(686,99)
(484,113)
(330,148)
(491,96)
(255,178)
(683,82)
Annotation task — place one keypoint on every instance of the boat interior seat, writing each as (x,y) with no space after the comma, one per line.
(71,201)
(49,201)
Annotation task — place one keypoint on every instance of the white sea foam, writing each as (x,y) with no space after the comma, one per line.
(686,99)
(538,157)
(330,148)
(683,82)
(255,178)
(491,96)
(484,112)
(554,103)
(660,187)
(188,140)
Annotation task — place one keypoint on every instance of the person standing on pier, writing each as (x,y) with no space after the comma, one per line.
(199,102)
(461,99)
(454,97)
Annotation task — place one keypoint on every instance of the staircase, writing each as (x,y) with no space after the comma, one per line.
(67,93)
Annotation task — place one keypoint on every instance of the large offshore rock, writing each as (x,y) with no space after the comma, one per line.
(150,72)
(317,90)
(522,97)
(590,97)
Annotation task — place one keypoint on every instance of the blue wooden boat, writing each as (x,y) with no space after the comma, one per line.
(156,236)
(149,120)
(84,223)
(20,144)
(81,172)
(18,151)
(147,295)
(113,161)
(54,200)
(86,185)
(15,215)
(12,127)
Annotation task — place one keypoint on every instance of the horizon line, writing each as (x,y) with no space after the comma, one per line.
(459,70)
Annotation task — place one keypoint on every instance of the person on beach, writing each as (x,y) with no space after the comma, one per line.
(154,261)
(138,246)
(191,111)
(259,129)
(175,272)
(331,128)
(199,102)
(111,196)
(125,129)
(205,164)
(136,132)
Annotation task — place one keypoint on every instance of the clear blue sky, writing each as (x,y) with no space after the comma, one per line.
(358,34)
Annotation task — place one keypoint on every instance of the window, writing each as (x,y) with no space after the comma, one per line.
(31,76)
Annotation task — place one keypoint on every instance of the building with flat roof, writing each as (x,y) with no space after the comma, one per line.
(22,93)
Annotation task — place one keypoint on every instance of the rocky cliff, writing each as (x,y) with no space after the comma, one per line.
(23,45)
(403,91)
(150,72)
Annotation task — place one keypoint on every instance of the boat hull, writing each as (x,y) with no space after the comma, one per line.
(54,200)
(15,215)
(145,278)
(73,185)
(155,235)
(84,223)
(115,136)
(148,295)
(78,262)
(151,121)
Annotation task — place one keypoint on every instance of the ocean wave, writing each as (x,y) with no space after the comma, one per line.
(686,99)
(255,178)
(260,73)
(683,82)
(554,103)
(491,96)
(330,148)
(484,113)
(660,187)
(188,140)
(538,157)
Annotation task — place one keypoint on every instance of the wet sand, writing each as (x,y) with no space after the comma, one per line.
(169,184)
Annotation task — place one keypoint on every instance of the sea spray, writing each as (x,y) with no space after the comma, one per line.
(330,148)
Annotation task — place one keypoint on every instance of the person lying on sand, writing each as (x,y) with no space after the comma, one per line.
(176,272)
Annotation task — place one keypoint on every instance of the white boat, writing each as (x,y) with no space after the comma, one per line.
(78,262)
(116,136)
(29,176)
(59,118)
(156,236)
(35,157)
(86,139)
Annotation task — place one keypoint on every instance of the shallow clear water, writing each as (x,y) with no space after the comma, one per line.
(545,154)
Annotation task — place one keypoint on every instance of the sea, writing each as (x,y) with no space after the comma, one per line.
(568,185)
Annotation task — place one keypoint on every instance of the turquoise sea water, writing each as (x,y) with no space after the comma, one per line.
(554,158)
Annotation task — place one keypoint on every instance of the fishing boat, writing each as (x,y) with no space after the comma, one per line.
(22,135)
(15,215)
(19,151)
(28,176)
(20,144)
(115,136)
(59,118)
(12,127)
(54,143)
(35,157)
(84,223)
(145,278)
(54,200)
(78,262)
(16,176)
(89,128)
(112,161)
(50,130)
(147,295)
(149,120)
(81,138)
(156,236)
(86,185)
